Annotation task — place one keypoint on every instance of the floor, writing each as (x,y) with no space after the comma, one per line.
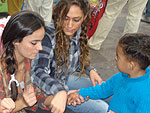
(104,59)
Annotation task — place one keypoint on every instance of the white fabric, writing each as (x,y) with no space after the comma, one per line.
(43,7)
(3,22)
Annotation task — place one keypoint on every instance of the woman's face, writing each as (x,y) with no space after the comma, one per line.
(30,45)
(73,20)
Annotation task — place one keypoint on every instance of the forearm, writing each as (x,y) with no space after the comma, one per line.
(59,97)
(99,91)
(20,104)
(92,92)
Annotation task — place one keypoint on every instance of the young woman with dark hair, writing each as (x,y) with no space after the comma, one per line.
(21,40)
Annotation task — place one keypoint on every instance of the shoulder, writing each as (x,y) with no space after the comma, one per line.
(50,29)
(49,38)
(118,75)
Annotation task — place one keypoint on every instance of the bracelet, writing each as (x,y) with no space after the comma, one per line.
(94,69)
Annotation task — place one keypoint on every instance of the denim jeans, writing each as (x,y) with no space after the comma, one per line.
(90,106)
(147,14)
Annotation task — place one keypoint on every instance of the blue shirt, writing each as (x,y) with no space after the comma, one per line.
(130,95)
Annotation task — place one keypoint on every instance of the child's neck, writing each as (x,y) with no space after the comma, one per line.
(137,73)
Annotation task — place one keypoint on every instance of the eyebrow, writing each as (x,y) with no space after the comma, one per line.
(36,40)
(79,17)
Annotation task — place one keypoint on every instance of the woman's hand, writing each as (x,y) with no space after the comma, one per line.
(7,105)
(58,104)
(95,77)
(29,96)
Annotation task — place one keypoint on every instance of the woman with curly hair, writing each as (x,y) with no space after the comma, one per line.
(59,67)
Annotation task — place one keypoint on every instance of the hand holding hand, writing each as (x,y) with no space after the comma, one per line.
(95,77)
(74,98)
(7,105)
(29,96)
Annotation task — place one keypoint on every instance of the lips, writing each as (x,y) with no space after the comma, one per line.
(69,30)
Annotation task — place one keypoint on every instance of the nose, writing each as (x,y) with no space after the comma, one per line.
(39,46)
(70,23)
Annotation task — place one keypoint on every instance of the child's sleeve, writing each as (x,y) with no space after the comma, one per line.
(99,91)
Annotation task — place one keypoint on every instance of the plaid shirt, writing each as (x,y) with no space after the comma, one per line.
(44,69)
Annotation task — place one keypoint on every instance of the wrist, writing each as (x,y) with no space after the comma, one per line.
(24,102)
(94,69)
(64,92)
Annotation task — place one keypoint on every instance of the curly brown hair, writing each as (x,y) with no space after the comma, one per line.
(62,43)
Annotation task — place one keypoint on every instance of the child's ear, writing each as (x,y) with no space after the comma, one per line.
(132,65)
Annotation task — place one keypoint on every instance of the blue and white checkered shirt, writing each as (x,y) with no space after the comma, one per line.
(44,70)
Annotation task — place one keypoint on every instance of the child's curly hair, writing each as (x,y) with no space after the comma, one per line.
(136,47)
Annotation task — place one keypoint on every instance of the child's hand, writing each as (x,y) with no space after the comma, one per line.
(7,105)
(74,99)
(29,96)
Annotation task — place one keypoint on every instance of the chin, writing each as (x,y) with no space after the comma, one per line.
(69,33)
(33,57)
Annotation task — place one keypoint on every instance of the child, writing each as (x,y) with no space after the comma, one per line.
(130,88)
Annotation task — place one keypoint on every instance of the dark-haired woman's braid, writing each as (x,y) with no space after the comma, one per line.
(11,66)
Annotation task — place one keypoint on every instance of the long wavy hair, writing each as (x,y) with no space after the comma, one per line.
(62,43)
(20,25)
